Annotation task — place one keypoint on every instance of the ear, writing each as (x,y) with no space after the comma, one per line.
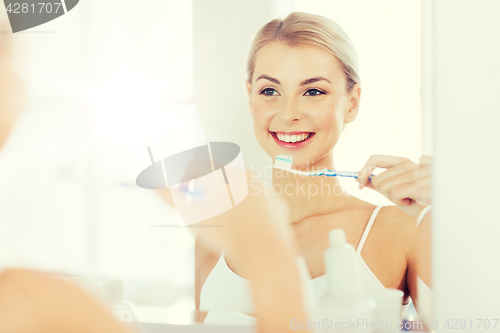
(353,104)
(249,92)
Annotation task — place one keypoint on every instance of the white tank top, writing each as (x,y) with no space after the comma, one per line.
(225,290)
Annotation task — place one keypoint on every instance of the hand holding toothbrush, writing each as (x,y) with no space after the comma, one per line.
(405,183)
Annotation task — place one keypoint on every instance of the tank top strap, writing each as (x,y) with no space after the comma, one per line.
(367,229)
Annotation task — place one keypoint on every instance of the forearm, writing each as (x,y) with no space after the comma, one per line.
(33,302)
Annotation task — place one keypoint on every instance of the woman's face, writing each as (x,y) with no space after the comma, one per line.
(299,103)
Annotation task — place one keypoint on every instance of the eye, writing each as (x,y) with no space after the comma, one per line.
(269,92)
(314,92)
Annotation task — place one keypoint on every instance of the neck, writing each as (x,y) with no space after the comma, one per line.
(308,196)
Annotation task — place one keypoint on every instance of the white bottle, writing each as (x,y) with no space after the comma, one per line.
(343,308)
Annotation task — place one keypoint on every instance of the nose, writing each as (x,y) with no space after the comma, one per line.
(290,112)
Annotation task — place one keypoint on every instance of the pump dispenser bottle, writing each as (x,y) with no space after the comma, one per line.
(341,267)
(342,308)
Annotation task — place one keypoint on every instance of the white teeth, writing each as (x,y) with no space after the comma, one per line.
(293,138)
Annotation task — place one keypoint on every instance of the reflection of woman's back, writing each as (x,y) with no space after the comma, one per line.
(304,88)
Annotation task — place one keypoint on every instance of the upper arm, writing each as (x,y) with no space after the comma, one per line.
(419,258)
(205,260)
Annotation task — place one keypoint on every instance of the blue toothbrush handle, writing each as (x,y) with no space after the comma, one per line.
(333,173)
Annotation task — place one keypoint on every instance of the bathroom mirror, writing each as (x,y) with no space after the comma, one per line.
(114,83)
(394,115)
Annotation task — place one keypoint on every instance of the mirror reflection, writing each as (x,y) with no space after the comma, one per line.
(324,101)
(304,87)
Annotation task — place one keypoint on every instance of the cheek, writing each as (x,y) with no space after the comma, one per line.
(329,118)
(261,114)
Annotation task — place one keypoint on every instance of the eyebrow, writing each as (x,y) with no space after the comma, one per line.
(303,83)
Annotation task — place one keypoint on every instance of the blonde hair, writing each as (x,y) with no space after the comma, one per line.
(313,30)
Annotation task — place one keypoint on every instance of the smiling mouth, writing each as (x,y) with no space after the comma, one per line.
(298,137)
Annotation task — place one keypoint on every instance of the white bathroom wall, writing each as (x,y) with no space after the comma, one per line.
(97,79)
(223,32)
(466,225)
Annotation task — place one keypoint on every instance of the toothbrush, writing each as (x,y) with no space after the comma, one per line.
(284,162)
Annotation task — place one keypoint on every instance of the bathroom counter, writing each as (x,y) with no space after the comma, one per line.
(167,328)
(171,320)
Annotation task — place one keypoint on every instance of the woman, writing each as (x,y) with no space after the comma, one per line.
(304,88)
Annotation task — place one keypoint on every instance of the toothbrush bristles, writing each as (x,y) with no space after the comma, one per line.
(283,161)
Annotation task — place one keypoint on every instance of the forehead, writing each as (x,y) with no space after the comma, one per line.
(293,64)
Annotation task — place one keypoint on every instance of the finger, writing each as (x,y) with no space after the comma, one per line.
(406,178)
(407,168)
(377,161)
(370,185)
(425,160)
(424,181)
(426,195)
(402,202)
(424,185)
(397,194)
(424,171)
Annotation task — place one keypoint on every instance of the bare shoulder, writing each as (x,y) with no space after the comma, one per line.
(392,220)
(388,218)
(392,227)
(395,217)
(387,247)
